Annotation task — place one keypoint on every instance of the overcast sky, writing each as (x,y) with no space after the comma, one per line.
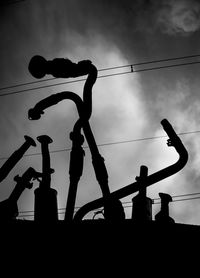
(125,107)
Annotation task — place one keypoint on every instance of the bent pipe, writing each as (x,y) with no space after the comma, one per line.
(174,141)
(36,112)
(87,90)
(99,166)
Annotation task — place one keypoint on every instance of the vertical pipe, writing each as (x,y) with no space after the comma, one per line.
(75,172)
(45,207)
(142,205)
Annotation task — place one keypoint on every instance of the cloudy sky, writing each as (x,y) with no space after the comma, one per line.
(125,107)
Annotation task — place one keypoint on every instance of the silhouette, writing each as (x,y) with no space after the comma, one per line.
(163,215)
(65,68)
(75,171)
(9,208)
(142,205)
(58,67)
(15,157)
(113,209)
(45,196)
(174,141)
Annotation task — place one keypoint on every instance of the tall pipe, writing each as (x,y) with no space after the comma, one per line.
(174,141)
(45,206)
(75,172)
(142,205)
(15,157)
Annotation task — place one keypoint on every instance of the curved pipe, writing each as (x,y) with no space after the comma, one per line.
(87,91)
(99,166)
(174,141)
(38,110)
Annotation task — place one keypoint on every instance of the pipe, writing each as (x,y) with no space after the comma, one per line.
(45,207)
(163,215)
(142,205)
(97,159)
(75,172)
(58,67)
(45,140)
(15,157)
(174,141)
(84,109)
(8,207)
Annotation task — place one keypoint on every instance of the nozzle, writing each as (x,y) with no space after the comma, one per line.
(34,114)
(165,198)
(44,139)
(168,128)
(37,66)
(30,140)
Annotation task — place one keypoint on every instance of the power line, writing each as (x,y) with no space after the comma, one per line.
(109,144)
(109,68)
(181,195)
(102,76)
(125,204)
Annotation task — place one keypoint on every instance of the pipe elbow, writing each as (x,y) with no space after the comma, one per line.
(34,114)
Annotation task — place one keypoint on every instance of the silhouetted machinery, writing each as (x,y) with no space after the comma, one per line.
(163,215)
(46,208)
(9,208)
(58,67)
(15,157)
(142,205)
(112,207)
(174,141)
(110,201)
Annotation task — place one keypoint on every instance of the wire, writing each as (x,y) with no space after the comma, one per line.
(124,203)
(182,195)
(101,76)
(106,69)
(109,144)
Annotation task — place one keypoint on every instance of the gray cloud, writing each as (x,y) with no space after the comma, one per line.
(179,17)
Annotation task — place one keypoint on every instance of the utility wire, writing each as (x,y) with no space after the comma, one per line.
(132,70)
(109,144)
(125,204)
(109,68)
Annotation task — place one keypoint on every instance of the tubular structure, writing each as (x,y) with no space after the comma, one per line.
(174,141)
